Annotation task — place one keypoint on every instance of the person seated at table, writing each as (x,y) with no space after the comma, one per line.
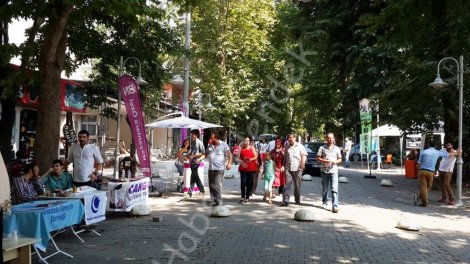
(23,187)
(56,178)
(37,182)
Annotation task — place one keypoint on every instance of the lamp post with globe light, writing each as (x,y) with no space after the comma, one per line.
(439,83)
(200,101)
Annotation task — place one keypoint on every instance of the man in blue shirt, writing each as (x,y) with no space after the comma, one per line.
(427,168)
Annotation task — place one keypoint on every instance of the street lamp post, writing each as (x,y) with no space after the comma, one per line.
(200,101)
(139,81)
(439,83)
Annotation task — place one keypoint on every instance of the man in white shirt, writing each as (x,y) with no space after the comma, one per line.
(446,168)
(294,160)
(87,161)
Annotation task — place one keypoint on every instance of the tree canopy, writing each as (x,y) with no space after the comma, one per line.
(269,66)
(68,33)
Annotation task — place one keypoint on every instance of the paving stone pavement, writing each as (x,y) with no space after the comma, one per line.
(362,232)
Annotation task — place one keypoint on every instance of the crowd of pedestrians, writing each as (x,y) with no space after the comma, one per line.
(280,165)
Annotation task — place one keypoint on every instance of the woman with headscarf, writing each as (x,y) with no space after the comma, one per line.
(280,175)
(247,158)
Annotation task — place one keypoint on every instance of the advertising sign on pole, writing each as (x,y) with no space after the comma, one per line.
(366,125)
(131,97)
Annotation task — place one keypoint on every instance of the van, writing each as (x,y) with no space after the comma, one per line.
(437,137)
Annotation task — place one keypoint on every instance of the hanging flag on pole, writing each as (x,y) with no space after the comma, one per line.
(131,97)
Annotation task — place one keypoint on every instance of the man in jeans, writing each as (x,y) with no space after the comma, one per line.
(220,158)
(329,155)
(294,160)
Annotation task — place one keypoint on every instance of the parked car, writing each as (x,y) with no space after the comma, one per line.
(355,154)
(312,166)
(267,137)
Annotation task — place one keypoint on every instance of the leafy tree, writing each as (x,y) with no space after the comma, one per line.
(366,49)
(67,33)
(229,57)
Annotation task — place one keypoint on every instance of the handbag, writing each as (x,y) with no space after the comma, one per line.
(178,162)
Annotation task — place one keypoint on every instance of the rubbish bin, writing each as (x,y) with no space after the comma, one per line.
(411,172)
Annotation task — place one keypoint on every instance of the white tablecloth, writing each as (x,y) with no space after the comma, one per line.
(123,196)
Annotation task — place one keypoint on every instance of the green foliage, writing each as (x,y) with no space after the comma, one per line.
(230,56)
(105,36)
(383,50)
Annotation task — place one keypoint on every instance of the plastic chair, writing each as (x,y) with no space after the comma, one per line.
(163,173)
(389,161)
(168,175)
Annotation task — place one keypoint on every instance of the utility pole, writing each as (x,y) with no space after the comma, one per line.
(187,43)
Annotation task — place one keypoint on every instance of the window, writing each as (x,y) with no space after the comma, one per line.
(89,123)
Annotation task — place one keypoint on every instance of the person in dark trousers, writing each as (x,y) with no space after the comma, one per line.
(195,179)
(247,169)
(195,155)
(220,159)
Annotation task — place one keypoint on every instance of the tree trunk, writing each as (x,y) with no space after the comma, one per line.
(7,121)
(51,62)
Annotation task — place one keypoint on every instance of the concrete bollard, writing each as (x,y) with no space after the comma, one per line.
(304,215)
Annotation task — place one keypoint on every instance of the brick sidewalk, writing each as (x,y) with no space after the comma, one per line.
(363,232)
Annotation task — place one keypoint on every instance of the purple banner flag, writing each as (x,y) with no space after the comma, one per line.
(131,97)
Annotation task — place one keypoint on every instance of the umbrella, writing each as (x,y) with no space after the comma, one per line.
(181,122)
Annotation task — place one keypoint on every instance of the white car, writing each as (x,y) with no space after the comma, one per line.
(355,154)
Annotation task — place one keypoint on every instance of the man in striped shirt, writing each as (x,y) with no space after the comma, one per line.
(24,186)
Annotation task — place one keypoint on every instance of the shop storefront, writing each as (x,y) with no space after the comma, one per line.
(24,130)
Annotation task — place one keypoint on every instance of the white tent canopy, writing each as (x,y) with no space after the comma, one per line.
(181,122)
(387,131)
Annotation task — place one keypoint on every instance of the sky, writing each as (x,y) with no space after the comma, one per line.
(16,34)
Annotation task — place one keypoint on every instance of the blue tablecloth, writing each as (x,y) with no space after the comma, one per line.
(38,218)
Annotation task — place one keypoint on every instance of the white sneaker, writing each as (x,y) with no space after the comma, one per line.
(324,206)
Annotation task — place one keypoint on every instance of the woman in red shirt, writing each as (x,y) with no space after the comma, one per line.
(278,157)
(247,158)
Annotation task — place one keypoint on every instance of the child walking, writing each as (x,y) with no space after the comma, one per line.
(268,176)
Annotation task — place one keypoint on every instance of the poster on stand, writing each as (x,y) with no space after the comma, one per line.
(95,207)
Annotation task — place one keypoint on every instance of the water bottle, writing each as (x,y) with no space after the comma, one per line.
(14,234)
